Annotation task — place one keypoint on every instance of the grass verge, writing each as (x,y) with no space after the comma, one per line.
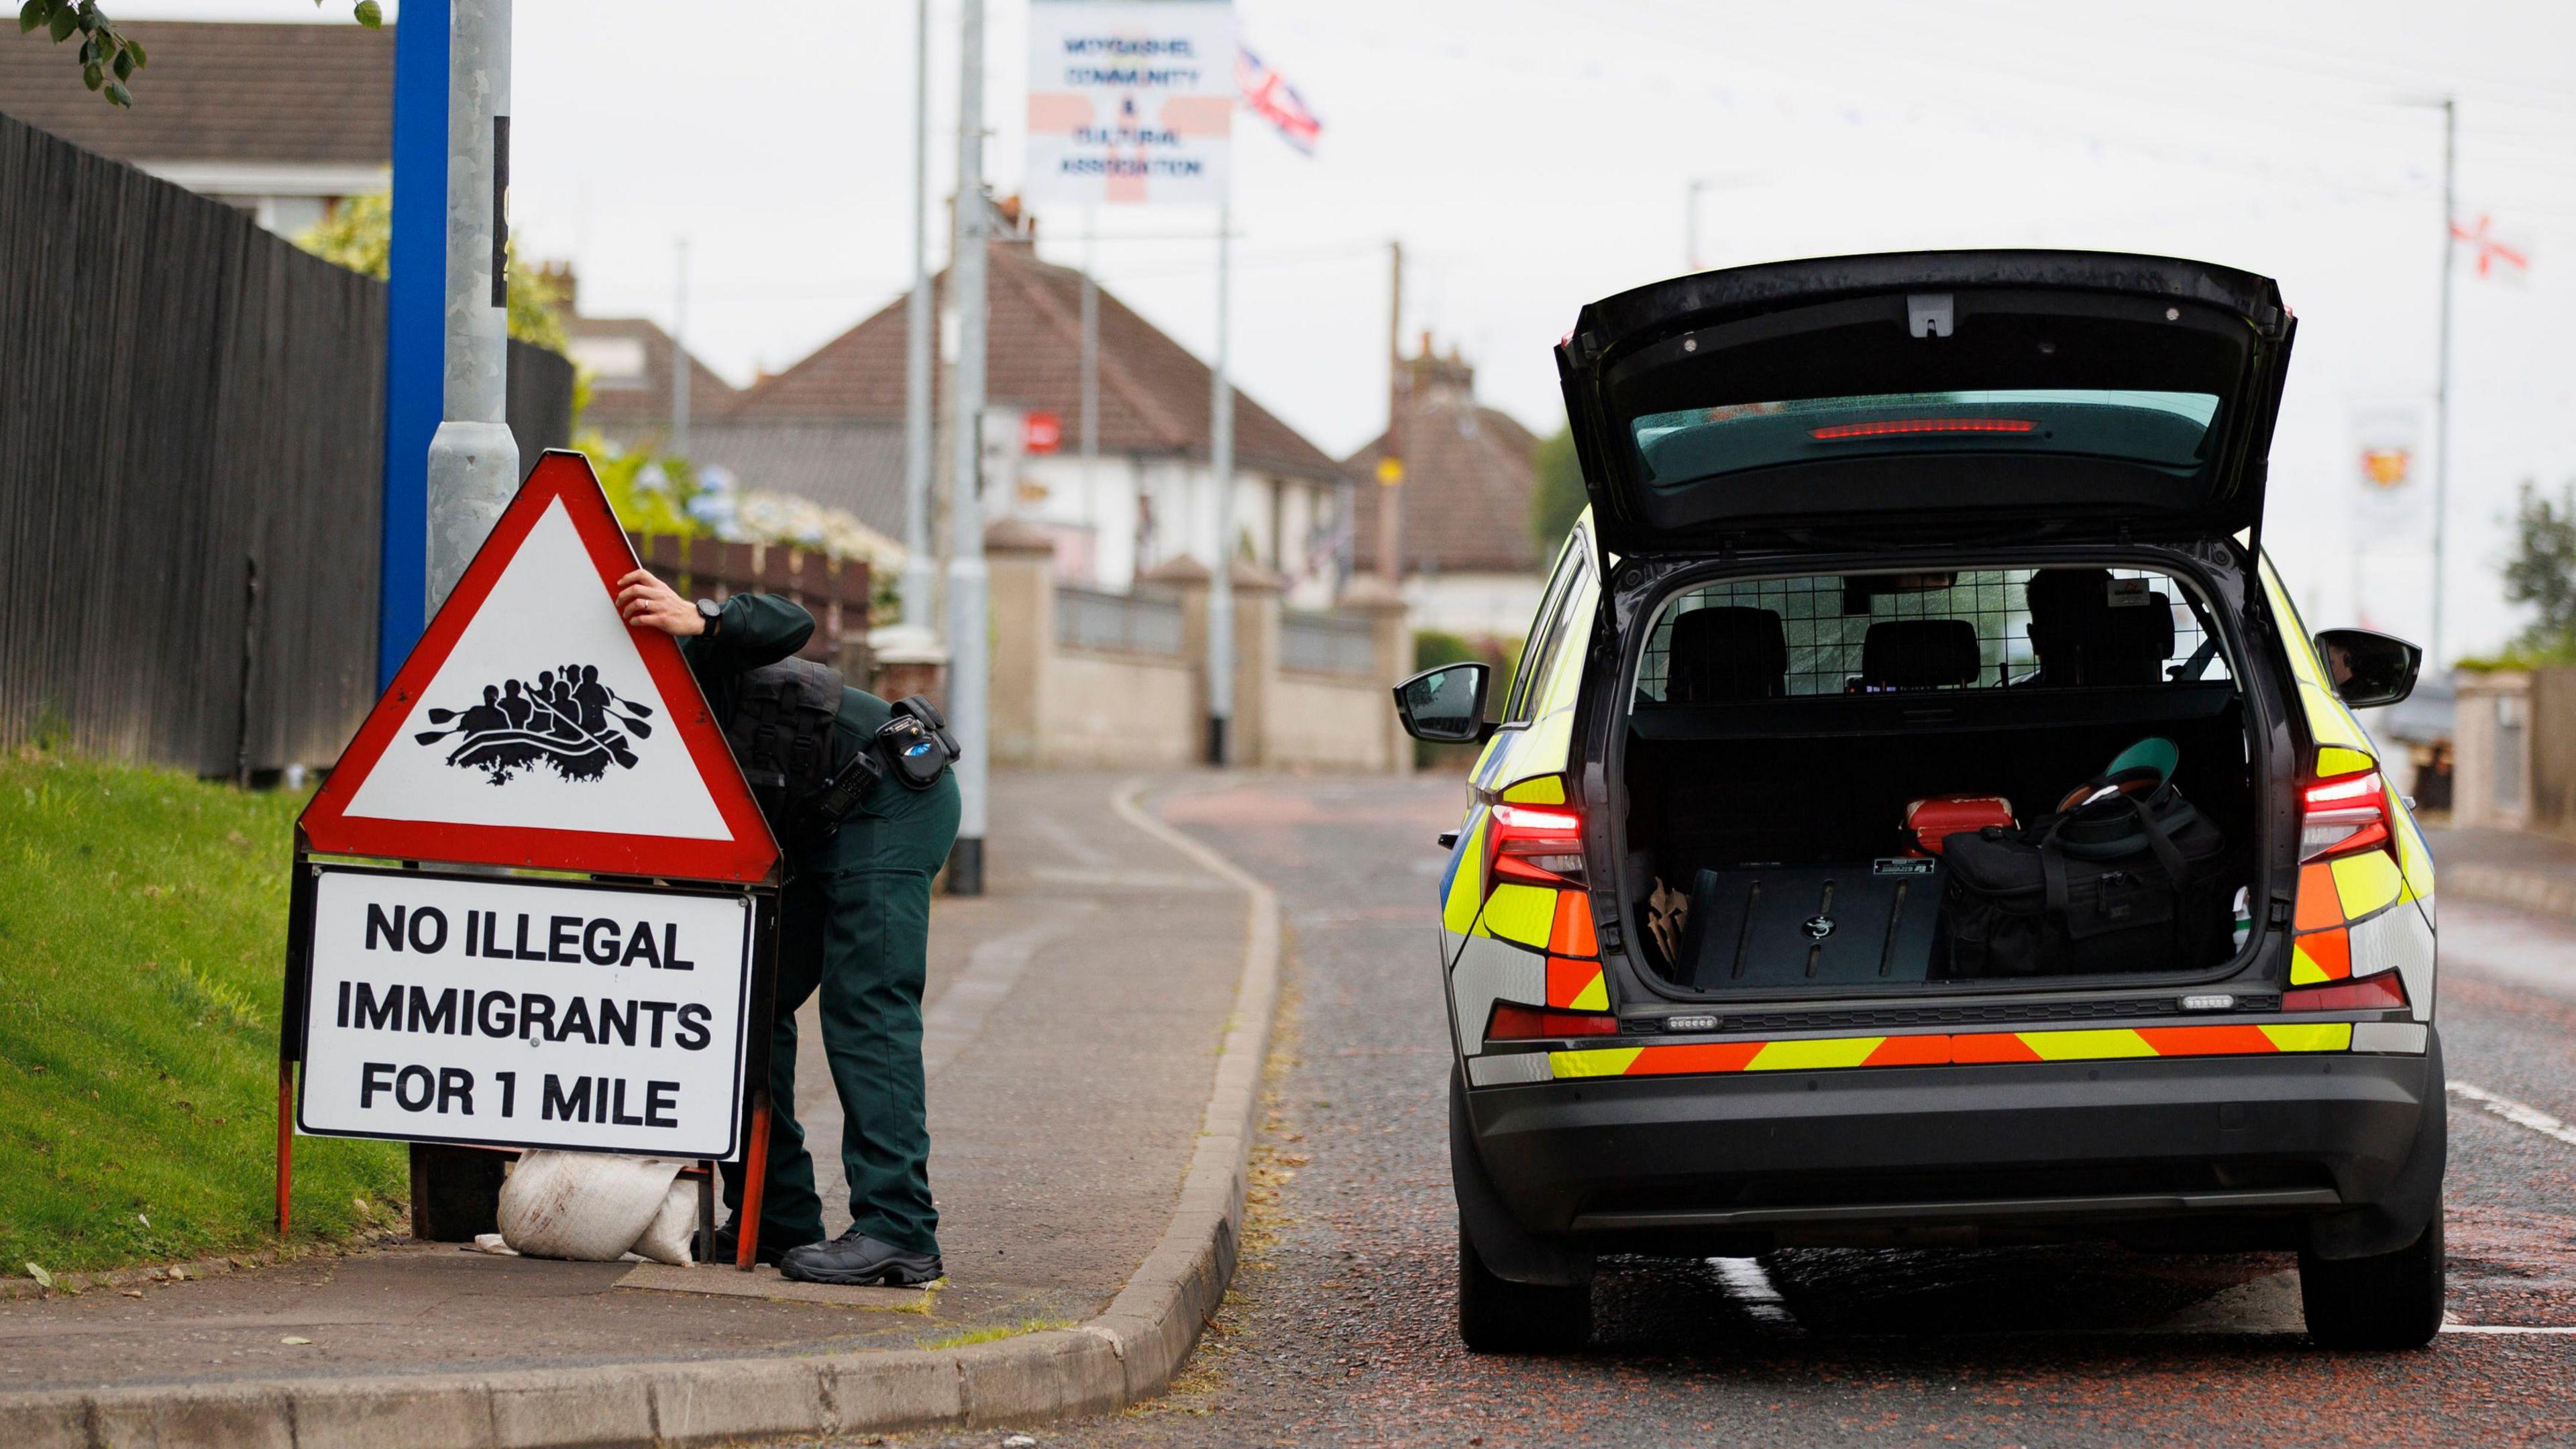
(995,1333)
(142,940)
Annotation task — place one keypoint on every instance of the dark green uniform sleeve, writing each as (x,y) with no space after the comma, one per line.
(757,629)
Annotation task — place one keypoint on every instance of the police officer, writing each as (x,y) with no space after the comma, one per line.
(855,924)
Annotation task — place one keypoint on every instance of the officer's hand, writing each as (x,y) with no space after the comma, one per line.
(646,602)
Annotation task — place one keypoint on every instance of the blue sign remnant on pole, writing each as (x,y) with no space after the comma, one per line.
(415,330)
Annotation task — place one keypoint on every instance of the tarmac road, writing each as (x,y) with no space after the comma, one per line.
(1341,1328)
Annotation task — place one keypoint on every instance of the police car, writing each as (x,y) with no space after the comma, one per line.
(1921,816)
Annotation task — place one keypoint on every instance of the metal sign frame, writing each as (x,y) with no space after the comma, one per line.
(759,1003)
(567,858)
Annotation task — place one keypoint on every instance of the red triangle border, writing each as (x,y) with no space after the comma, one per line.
(750,856)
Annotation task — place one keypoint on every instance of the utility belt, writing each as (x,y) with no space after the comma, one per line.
(781,732)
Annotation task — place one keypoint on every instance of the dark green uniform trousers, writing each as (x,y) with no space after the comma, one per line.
(855,926)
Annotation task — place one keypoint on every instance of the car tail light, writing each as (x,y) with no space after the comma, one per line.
(2367,993)
(1537,846)
(1534,1023)
(2344,814)
(1903,427)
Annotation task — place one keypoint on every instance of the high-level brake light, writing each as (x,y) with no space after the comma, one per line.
(1536,845)
(1904,427)
(2344,814)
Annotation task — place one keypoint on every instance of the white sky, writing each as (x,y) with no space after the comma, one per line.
(1533,156)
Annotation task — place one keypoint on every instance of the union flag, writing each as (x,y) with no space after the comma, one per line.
(1268,92)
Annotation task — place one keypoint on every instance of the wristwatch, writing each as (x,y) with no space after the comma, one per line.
(713,613)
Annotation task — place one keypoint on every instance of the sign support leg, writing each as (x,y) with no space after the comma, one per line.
(755,1177)
(290,1023)
(285,1142)
(707,1213)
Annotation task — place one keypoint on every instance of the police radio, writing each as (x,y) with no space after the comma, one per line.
(916,743)
(914,746)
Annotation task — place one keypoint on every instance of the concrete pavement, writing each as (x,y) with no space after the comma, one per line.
(2515,868)
(1095,1029)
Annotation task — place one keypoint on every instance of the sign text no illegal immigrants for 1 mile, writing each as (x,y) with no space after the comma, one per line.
(524,1015)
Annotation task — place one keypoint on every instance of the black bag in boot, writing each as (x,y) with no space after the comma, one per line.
(2128,877)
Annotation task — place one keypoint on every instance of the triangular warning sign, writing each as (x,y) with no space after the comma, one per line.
(532,727)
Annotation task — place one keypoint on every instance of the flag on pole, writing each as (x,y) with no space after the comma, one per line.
(1268,93)
(2489,250)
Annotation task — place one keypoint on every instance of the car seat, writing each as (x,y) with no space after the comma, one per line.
(2129,645)
(2082,638)
(1721,654)
(1918,654)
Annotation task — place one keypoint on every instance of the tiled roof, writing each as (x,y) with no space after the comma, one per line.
(856,466)
(625,413)
(1467,482)
(1153,392)
(308,94)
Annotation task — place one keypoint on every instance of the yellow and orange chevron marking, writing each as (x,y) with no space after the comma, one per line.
(1574,984)
(1820,1053)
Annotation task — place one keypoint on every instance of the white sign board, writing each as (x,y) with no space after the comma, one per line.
(1130,102)
(532,726)
(608,779)
(524,1013)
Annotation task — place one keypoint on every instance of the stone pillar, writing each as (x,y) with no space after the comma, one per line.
(1020,563)
(1391,629)
(1186,579)
(1256,662)
(904,660)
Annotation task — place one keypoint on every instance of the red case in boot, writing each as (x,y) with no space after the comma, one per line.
(1940,815)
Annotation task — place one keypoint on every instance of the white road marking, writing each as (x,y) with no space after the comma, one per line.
(1749,1285)
(2500,1328)
(2520,1114)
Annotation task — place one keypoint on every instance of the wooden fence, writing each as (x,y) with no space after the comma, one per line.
(191,461)
(835,591)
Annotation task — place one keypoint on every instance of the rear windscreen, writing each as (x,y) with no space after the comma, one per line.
(2160,429)
(2054,628)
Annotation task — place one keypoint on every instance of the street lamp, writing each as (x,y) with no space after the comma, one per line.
(2442,368)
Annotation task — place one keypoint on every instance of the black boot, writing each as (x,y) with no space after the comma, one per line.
(771,1249)
(856,1258)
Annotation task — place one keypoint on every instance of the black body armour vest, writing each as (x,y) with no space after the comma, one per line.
(781,733)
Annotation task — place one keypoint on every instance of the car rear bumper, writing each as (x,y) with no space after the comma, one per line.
(2187,1149)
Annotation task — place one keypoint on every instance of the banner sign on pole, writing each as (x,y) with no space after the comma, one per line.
(532,727)
(522,1013)
(1130,102)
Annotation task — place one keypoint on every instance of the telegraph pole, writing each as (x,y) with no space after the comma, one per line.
(1220,605)
(679,444)
(473,461)
(2442,371)
(968,684)
(1090,368)
(920,582)
(1390,468)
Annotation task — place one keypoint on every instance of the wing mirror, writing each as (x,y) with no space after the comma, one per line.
(2369,669)
(1446,706)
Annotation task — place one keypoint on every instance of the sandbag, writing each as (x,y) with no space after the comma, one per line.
(669,1237)
(593,1207)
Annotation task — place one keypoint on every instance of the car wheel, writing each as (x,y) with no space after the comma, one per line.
(1496,1315)
(2391,1300)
